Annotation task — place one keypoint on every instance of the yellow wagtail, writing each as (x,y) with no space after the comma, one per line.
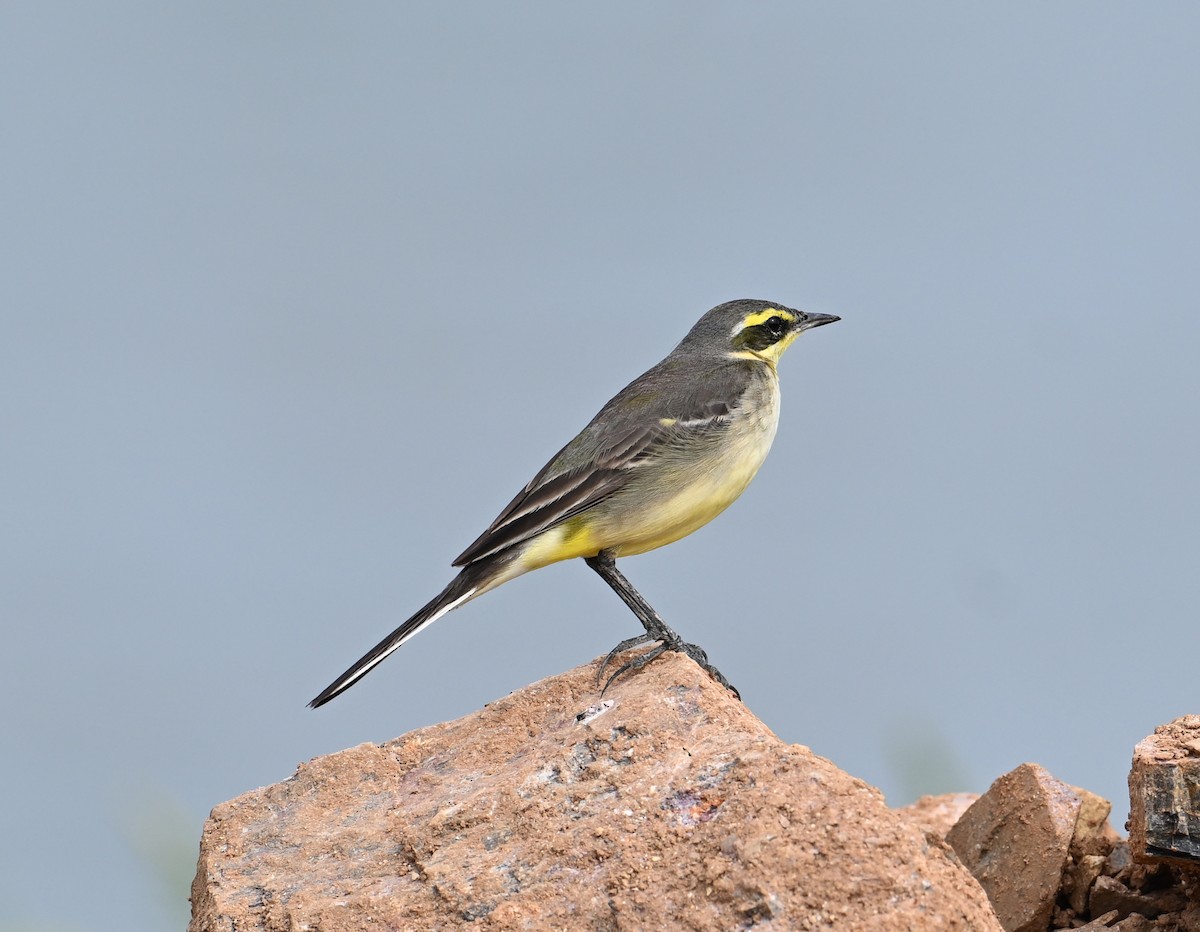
(668,454)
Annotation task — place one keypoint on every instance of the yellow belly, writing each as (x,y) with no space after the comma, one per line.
(697,501)
(674,497)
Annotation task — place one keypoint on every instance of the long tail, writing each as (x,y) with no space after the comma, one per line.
(474,580)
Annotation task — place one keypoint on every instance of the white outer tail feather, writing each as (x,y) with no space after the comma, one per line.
(368,667)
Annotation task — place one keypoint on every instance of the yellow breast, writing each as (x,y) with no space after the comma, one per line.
(676,494)
(696,491)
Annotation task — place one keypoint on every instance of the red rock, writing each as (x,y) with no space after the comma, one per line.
(1164,795)
(1016,840)
(670,806)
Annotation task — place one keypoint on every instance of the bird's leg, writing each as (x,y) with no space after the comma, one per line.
(605,564)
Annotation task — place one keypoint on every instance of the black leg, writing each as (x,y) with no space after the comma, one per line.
(605,564)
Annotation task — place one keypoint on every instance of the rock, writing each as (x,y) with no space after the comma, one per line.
(1119,862)
(1093,841)
(666,805)
(1016,839)
(1109,894)
(1100,922)
(1078,879)
(1093,834)
(1164,795)
(1136,923)
(936,814)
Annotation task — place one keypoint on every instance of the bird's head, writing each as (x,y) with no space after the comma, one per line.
(750,329)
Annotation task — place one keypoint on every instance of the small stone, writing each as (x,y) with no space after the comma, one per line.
(1164,787)
(1078,880)
(1100,922)
(1109,893)
(1093,834)
(1134,923)
(1119,861)
(1015,839)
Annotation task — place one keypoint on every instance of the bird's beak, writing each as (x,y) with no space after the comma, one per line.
(808,321)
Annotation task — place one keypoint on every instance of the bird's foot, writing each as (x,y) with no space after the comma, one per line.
(696,652)
(623,646)
(666,641)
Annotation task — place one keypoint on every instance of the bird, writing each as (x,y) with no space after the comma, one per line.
(666,455)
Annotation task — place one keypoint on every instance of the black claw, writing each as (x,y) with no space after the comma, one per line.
(697,653)
(694,651)
(634,664)
(623,646)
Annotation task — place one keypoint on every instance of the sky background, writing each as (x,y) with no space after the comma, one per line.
(295,297)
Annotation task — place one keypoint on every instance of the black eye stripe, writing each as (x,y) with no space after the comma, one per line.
(757,337)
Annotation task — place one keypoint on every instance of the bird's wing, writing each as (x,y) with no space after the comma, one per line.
(626,434)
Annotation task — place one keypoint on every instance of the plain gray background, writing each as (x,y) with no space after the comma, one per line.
(296,296)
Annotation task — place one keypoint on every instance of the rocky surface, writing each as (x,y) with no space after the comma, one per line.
(1033,842)
(667,805)
(1048,858)
(1015,839)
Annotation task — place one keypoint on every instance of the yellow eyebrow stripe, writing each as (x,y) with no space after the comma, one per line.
(758,317)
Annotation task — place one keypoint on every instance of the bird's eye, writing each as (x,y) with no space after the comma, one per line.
(776,326)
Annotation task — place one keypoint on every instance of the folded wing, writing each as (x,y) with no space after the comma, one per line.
(588,470)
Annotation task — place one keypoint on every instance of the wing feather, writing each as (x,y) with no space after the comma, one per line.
(631,430)
(553,497)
